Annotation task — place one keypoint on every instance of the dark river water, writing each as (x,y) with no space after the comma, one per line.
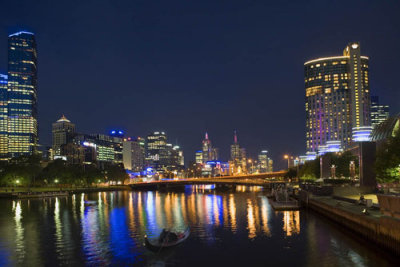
(235,228)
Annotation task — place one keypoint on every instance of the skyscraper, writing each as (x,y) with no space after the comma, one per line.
(207,150)
(337,99)
(156,150)
(3,117)
(133,153)
(22,94)
(379,112)
(62,130)
(199,156)
(238,160)
(264,162)
(235,149)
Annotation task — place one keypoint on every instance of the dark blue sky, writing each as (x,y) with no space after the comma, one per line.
(187,67)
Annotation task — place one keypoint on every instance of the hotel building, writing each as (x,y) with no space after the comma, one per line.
(337,99)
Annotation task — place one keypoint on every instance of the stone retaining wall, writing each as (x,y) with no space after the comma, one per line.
(384,231)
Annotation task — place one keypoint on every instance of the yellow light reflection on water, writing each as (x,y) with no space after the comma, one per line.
(251,226)
(215,210)
(232,212)
(265,208)
(291,222)
(57,222)
(19,229)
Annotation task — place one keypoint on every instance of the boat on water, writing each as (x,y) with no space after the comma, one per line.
(167,239)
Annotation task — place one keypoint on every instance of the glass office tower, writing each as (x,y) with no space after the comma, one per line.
(22,94)
(337,99)
(3,117)
(379,112)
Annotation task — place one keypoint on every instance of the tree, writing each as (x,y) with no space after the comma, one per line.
(310,170)
(291,173)
(116,172)
(92,174)
(22,170)
(342,163)
(387,163)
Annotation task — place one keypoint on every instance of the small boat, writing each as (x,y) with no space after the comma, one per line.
(167,239)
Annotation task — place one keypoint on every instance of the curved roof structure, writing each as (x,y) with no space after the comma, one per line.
(63,119)
(19,33)
(386,129)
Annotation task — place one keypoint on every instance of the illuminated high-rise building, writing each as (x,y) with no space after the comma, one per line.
(337,99)
(208,151)
(238,162)
(265,164)
(156,150)
(235,149)
(22,94)
(379,112)
(3,117)
(63,131)
(177,161)
(134,153)
(199,157)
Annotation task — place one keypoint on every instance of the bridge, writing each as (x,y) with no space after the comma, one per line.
(263,179)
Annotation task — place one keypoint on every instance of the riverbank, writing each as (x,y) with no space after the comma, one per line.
(35,192)
(373,225)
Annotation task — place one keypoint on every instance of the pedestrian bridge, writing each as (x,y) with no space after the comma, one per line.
(263,179)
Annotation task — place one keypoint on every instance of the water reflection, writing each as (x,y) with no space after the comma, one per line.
(19,230)
(291,222)
(109,228)
(57,222)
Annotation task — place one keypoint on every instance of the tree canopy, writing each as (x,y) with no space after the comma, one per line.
(28,171)
(387,164)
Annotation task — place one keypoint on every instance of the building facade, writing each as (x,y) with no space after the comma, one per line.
(22,94)
(238,161)
(337,99)
(265,164)
(156,150)
(3,117)
(63,131)
(199,157)
(379,112)
(100,148)
(209,153)
(133,154)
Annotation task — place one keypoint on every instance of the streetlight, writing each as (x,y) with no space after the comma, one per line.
(250,161)
(288,158)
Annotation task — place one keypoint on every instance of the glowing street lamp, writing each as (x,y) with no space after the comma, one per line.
(288,158)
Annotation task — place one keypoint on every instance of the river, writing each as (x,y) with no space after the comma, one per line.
(234,228)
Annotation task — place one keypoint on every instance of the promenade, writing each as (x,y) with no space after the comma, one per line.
(372,225)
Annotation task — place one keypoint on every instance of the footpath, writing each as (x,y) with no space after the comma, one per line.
(367,222)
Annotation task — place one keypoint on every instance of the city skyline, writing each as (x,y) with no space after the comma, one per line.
(241,80)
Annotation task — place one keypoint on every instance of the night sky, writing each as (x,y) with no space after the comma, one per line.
(187,67)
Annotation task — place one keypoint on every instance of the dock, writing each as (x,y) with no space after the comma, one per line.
(292,204)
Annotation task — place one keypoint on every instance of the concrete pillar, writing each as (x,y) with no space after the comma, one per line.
(367,157)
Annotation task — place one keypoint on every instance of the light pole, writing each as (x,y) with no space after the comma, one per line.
(250,161)
(288,158)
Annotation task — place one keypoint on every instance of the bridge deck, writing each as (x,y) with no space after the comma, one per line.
(228,180)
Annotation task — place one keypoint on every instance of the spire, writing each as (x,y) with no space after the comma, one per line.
(235,136)
(206,136)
